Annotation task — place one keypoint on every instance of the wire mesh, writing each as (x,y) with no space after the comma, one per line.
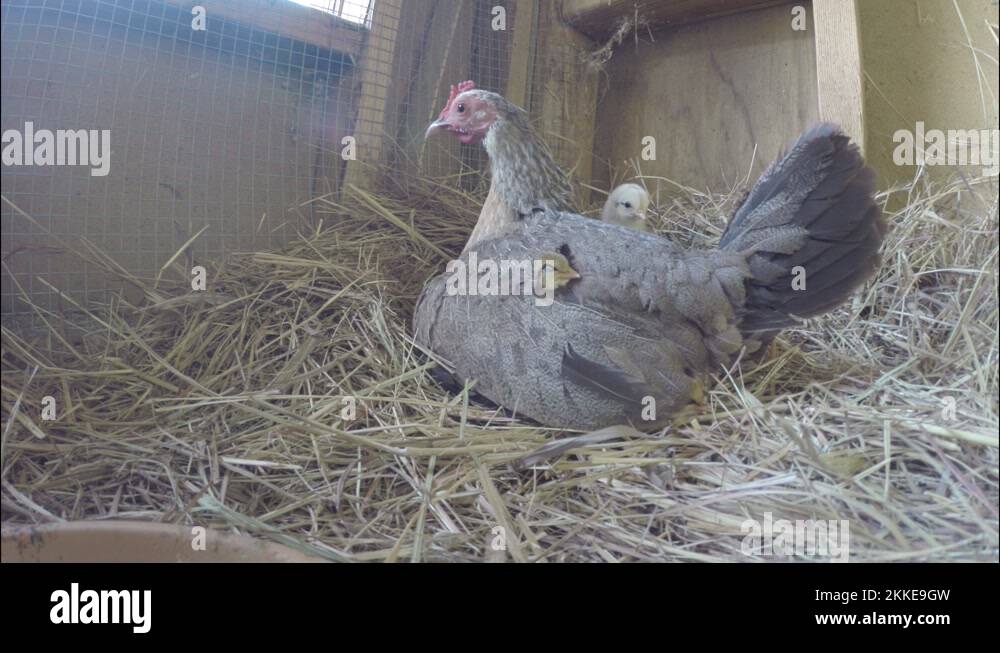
(222,131)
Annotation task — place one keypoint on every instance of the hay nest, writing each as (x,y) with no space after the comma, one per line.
(227,407)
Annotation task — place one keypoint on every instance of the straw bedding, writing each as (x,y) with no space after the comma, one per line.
(227,407)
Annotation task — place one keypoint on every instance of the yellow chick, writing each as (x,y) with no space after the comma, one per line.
(627,206)
(562,271)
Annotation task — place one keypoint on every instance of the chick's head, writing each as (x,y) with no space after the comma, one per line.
(559,267)
(627,205)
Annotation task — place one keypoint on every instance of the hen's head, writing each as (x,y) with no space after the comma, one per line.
(469,113)
(524,174)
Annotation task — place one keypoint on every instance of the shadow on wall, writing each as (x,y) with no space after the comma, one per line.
(230,128)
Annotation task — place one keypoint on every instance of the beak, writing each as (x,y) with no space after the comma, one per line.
(435,127)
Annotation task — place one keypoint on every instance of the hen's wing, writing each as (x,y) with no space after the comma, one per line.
(631,340)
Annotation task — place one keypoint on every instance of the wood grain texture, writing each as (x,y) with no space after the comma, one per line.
(376,74)
(446,60)
(921,66)
(598,18)
(710,93)
(520,55)
(838,66)
(564,95)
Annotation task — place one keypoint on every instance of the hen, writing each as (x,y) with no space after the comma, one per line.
(637,334)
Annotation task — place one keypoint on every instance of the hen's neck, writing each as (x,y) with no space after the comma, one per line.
(524,178)
(495,218)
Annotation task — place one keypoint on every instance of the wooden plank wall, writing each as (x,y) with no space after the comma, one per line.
(716,95)
(564,94)
(376,67)
(434,54)
(522,51)
(932,62)
(838,66)
(599,18)
(711,91)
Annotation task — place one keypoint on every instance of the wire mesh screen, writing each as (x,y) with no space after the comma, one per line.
(225,119)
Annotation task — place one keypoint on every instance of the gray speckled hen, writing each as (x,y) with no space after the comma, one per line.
(646,318)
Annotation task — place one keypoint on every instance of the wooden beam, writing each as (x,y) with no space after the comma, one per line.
(376,76)
(717,95)
(520,53)
(598,19)
(298,22)
(564,103)
(838,66)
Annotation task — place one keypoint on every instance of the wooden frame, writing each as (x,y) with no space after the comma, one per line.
(598,18)
(376,72)
(297,22)
(838,66)
(519,74)
(834,26)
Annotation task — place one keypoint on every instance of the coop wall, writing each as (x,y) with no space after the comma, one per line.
(234,129)
(721,97)
(933,62)
(222,139)
(724,95)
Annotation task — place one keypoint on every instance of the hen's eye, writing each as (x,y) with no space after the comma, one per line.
(460,108)
(628,205)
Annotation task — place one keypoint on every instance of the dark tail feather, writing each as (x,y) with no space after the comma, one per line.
(814,208)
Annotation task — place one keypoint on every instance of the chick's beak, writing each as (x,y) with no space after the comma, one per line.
(436,126)
(569,274)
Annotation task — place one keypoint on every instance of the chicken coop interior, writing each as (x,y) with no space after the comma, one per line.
(274,152)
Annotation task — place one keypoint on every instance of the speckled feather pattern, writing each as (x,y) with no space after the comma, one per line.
(524,176)
(647,318)
(641,309)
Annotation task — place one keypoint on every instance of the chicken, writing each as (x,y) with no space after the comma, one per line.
(626,206)
(529,182)
(638,334)
(560,269)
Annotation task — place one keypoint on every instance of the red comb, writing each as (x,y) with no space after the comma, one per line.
(455,91)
